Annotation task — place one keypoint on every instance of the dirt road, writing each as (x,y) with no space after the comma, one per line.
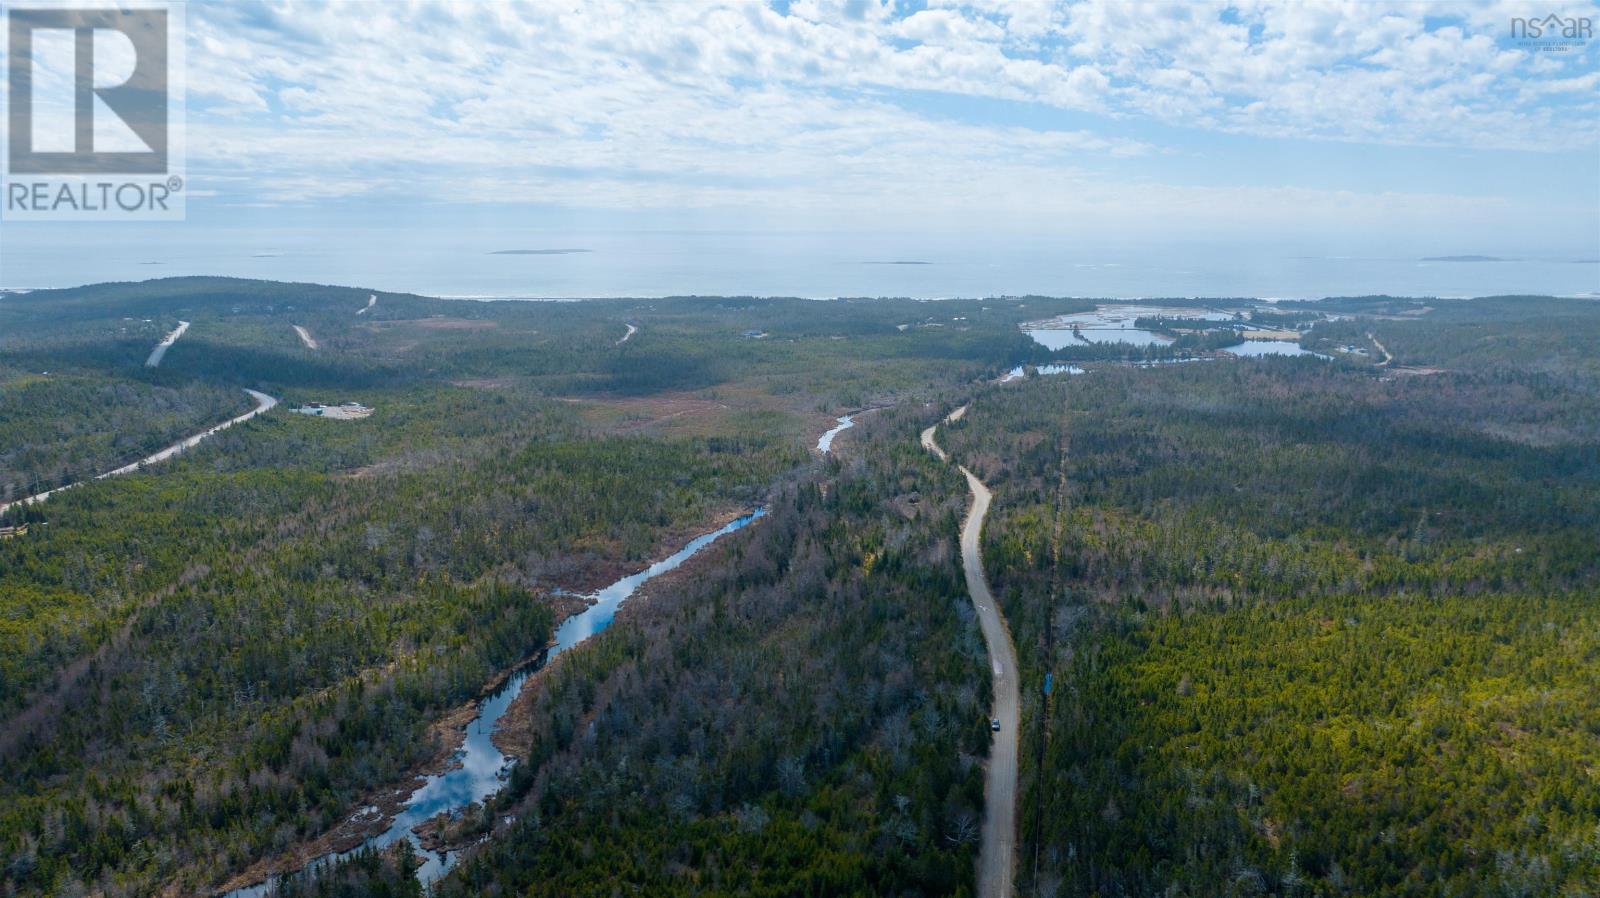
(998,849)
(305,336)
(263,403)
(1387,356)
(160,352)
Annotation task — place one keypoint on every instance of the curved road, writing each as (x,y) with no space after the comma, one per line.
(263,403)
(998,848)
(1387,356)
(160,352)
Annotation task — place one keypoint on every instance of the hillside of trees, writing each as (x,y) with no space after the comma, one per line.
(1547,335)
(850,352)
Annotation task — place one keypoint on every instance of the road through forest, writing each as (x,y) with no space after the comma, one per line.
(997,851)
(160,352)
(263,403)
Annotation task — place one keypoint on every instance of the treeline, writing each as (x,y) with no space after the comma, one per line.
(1166,323)
(1546,335)
(845,353)
(1195,334)
(198,296)
(365,874)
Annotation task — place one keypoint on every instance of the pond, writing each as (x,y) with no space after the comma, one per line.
(1257,348)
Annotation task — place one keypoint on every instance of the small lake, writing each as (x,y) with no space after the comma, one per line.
(1112,324)
(481,769)
(1257,348)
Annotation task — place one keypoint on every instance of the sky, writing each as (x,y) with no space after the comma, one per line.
(1358,126)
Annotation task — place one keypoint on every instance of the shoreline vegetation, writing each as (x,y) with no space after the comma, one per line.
(449,733)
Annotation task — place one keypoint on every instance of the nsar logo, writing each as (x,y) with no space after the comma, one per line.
(1552,32)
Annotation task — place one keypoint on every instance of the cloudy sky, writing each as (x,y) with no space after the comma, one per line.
(1234,116)
(1423,124)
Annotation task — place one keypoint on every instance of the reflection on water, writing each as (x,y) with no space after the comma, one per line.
(481,769)
(1113,324)
(1060,338)
(1254,348)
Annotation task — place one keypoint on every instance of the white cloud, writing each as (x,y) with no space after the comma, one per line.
(608,104)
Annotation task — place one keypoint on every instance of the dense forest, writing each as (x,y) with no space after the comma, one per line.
(849,352)
(212,661)
(1288,626)
(803,717)
(802,714)
(1308,629)
(271,640)
(1548,335)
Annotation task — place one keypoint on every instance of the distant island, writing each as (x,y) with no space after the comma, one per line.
(1463,259)
(537,252)
(907,262)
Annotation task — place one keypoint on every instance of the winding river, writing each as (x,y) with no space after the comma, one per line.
(482,769)
(825,444)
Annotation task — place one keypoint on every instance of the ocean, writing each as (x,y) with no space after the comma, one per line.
(500,264)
